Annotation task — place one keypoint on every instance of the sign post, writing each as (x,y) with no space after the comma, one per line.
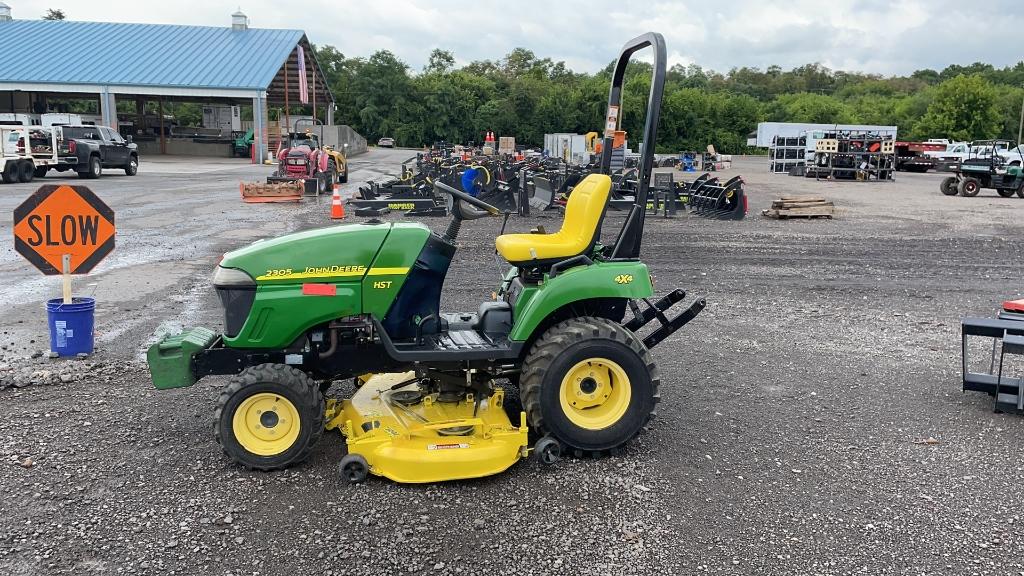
(66,269)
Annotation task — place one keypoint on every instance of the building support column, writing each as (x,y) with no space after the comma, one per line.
(330,113)
(140,115)
(160,112)
(108,108)
(259,127)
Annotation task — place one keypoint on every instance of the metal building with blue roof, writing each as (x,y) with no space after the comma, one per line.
(217,65)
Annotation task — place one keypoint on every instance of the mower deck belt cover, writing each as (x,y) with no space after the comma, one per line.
(427,440)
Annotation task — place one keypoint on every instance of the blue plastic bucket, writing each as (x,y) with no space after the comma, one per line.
(71,325)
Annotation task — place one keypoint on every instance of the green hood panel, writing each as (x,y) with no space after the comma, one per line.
(322,254)
(366,264)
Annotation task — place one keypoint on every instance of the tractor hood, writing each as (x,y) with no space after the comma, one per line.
(334,254)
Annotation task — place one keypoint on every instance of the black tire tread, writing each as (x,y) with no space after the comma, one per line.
(332,171)
(559,337)
(948,186)
(962,187)
(289,377)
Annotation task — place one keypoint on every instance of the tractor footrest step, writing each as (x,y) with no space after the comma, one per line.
(462,340)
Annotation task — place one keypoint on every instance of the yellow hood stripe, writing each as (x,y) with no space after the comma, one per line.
(340,274)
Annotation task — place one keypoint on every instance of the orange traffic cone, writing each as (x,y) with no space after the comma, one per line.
(337,209)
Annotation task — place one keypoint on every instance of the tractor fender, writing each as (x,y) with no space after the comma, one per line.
(321,161)
(625,280)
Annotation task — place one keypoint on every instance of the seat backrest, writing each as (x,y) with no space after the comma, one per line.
(585,207)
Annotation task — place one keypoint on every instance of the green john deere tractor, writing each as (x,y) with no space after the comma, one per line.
(362,301)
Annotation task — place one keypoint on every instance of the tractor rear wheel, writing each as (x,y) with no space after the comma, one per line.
(590,383)
(1020,191)
(948,186)
(270,417)
(969,187)
(332,172)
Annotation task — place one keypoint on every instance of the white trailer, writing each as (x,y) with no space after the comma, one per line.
(769,132)
(60,119)
(29,151)
(571,148)
(227,119)
(18,119)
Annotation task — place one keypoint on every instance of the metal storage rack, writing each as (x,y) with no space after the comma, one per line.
(787,153)
(853,155)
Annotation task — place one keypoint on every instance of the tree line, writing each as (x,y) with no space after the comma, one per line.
(525,96)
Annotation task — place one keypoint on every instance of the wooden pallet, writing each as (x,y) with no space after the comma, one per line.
(800,207)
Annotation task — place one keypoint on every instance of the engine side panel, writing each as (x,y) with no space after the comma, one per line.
(391,267)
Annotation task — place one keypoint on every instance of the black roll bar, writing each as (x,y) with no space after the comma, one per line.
(627,245)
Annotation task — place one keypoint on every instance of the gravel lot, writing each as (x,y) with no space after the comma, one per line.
(787,440)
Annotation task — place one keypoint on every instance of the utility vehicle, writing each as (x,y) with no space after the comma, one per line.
(1002,171)
(362,301)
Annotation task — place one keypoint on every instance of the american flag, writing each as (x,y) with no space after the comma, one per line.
(303,85)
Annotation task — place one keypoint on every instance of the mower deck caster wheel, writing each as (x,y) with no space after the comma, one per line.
(548,450)
(354,468)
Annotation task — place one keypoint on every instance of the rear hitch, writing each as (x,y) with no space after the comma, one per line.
(641,317)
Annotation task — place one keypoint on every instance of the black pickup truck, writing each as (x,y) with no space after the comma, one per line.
(96,148)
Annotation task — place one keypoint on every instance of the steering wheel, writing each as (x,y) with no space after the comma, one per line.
(460,195)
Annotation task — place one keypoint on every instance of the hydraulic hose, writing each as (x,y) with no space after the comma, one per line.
(453,229)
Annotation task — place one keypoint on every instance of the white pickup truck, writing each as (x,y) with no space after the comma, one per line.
(960,151)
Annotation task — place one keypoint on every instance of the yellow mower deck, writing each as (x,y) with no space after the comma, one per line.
(428,441)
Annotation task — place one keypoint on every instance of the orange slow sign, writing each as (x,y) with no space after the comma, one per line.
(63,219)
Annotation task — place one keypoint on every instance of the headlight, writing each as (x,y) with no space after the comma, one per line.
(236,291)
(231,277)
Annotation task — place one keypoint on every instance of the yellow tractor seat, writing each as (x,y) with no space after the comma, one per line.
(582,216)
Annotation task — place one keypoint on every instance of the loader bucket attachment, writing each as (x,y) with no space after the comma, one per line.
(711,199)
(283,191)
(1006,332)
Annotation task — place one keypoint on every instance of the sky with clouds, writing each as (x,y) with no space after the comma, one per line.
(879,36)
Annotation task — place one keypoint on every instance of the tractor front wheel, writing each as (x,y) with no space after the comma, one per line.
(1006,192)
(948,186)
(270,417)
(590,383)
(969,187)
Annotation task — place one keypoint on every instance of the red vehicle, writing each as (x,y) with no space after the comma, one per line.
(910,156)
(304,159)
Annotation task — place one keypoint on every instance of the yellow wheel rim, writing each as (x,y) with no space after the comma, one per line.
(266,424)
(595,393)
